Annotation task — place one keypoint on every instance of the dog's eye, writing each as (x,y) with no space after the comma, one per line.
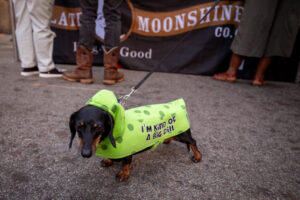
(80,125)
(97,127)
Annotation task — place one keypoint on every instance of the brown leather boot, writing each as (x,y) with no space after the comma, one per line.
(111,74)
(83,73)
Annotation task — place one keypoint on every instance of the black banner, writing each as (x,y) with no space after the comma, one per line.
(163,35)
(151,31)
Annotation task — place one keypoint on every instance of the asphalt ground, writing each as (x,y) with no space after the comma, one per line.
(249,137)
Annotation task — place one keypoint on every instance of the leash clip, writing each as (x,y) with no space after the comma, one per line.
(123,99)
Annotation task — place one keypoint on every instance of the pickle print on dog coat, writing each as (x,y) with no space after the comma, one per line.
(139,128)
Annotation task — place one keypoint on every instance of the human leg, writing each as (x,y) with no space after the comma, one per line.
(87,23)
(263,64)
(84,57)
(111,74)
(83,72)
(40,12)
(284,29)
(112,14)
(254,28)
(230,74)
(24,37)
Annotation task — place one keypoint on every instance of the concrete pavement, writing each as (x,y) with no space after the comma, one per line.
(249,137)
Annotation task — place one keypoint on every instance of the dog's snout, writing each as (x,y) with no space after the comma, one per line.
(86,153)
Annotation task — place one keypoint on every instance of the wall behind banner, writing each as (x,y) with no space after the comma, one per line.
(152,29)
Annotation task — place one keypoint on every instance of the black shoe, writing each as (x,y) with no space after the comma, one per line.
(30,71)
(52,73)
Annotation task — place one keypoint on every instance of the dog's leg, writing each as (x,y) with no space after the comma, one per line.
(106,162)
(168,140)
(124,174)
(197,155)
(186,138)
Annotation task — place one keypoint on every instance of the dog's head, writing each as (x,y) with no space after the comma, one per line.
(92,125)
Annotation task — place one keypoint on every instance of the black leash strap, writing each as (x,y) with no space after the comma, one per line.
(124,98)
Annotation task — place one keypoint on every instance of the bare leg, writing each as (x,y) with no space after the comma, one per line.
(263,64)
(234,64)
(230,74)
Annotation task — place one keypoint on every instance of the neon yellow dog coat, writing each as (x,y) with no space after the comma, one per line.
(139,128)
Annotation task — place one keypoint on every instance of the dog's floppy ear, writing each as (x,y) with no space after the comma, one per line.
(72,128)
(110,128)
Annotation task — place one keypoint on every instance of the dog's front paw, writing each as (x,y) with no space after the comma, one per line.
(123,176)
(106,162)
(197,158)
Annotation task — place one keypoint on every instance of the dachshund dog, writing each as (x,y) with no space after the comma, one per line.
(94,125)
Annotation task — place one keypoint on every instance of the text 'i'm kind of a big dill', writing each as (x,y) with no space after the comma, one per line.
(159,129)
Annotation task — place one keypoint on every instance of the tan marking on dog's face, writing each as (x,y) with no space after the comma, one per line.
(95,143)
(81,123)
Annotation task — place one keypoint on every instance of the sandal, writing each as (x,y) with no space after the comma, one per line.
(258,81)
(225,77)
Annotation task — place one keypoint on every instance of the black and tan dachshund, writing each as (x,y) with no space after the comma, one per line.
(94,124)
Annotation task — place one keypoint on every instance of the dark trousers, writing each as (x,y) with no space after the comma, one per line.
(112,15)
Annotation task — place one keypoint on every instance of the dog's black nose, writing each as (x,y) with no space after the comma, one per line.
(86,153)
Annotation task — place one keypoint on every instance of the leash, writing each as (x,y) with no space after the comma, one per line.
(123,99)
